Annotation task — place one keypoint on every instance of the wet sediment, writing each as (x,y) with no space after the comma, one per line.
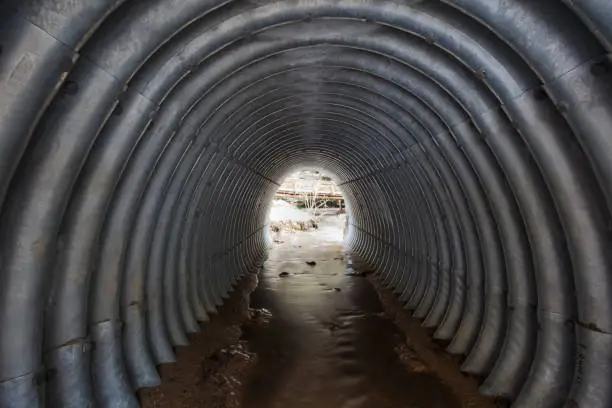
(211,370)
(431,353)
(330,343)
(320,332)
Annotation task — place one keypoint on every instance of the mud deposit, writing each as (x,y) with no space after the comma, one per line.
(320,332)
(330,343)
(430,356)
(209,373)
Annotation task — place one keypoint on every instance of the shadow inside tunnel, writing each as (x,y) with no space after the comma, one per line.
(328,343)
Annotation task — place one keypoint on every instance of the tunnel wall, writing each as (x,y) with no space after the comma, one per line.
(141,143)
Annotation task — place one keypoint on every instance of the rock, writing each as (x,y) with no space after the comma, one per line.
(332,326)
(262,315)
(360,274)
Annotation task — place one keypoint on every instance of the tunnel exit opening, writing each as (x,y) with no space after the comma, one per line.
(308,203)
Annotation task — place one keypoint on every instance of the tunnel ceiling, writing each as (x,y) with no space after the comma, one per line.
(141,142)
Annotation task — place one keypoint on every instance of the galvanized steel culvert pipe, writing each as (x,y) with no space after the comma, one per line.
(142,141)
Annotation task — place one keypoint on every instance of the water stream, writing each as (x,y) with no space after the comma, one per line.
(327,343)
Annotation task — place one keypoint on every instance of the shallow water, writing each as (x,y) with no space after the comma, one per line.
(327,343)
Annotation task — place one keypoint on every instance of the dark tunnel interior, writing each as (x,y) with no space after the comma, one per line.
(141,143)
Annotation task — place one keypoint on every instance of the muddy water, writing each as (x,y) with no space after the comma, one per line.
(327,344)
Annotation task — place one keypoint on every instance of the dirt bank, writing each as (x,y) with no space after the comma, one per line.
(430,354)
(210,372)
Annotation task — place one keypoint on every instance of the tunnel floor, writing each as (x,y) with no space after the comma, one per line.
(319,332)
(328,342)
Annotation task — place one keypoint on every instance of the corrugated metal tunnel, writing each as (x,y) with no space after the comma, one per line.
(141,142)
